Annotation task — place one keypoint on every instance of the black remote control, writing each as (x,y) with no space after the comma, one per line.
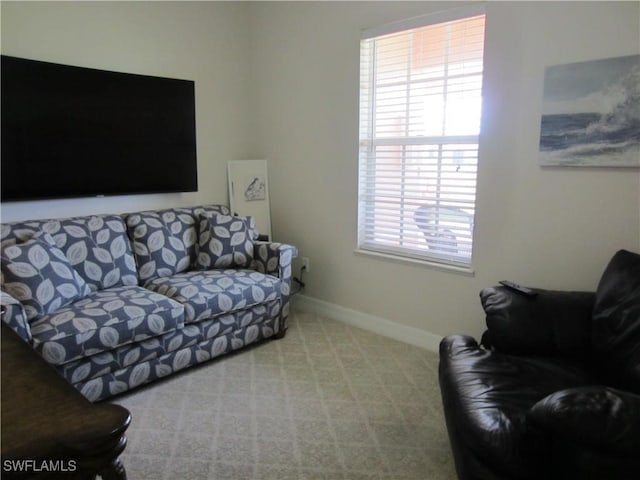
(518,288)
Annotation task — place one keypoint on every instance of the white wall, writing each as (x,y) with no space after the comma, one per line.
(280,80)
(202,41)
(553,228)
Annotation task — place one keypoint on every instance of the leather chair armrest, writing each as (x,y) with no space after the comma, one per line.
(595,417)
(452,345)
(551,323)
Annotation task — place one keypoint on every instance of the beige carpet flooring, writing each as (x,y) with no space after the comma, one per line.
(329,401)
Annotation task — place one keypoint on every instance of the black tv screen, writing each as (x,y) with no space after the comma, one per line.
(70,131)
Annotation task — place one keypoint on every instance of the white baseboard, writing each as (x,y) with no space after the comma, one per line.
(382,326)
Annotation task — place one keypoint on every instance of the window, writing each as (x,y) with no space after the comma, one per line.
(420,103)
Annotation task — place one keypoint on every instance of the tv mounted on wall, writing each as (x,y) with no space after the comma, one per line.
(70,131)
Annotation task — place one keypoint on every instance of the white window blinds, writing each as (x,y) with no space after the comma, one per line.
(420,103)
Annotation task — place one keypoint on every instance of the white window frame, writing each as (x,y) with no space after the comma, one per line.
(460,212)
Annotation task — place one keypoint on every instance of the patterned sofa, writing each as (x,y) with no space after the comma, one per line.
(116,301)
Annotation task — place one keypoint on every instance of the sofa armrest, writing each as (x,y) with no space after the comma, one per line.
(594,417)
(14,316)
(276,259)
(551,323)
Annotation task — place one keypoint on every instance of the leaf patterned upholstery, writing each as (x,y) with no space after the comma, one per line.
(192,335)
(97,246)
(103,321)
(224,241)
(206,294)
(150,311)
(38,274)
(276,259)
(165,241)
(14,316)
(114,382)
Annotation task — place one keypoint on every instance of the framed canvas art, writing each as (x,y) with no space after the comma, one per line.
(591,114)
(249,191)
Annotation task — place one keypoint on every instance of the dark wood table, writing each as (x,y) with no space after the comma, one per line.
(49,430)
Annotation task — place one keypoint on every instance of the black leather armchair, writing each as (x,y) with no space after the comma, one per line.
(553,390)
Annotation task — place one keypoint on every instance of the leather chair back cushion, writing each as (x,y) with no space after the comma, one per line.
(616,320)
(552,323)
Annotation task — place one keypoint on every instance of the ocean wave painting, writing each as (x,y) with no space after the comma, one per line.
(591,114)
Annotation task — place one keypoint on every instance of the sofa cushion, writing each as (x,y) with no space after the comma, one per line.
(224,241)
(39,275)
(96,246)
(206,294)
(103,321)
(616,320)
(165,241)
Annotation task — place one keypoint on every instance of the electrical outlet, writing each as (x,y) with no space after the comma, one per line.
(306,264)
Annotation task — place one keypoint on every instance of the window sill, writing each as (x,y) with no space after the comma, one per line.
(467,271)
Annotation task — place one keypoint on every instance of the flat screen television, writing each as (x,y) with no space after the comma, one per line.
(70,131)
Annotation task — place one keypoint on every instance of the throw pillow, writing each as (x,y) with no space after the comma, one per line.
(96,246)
(225,241)
(39,275)
(163,242)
